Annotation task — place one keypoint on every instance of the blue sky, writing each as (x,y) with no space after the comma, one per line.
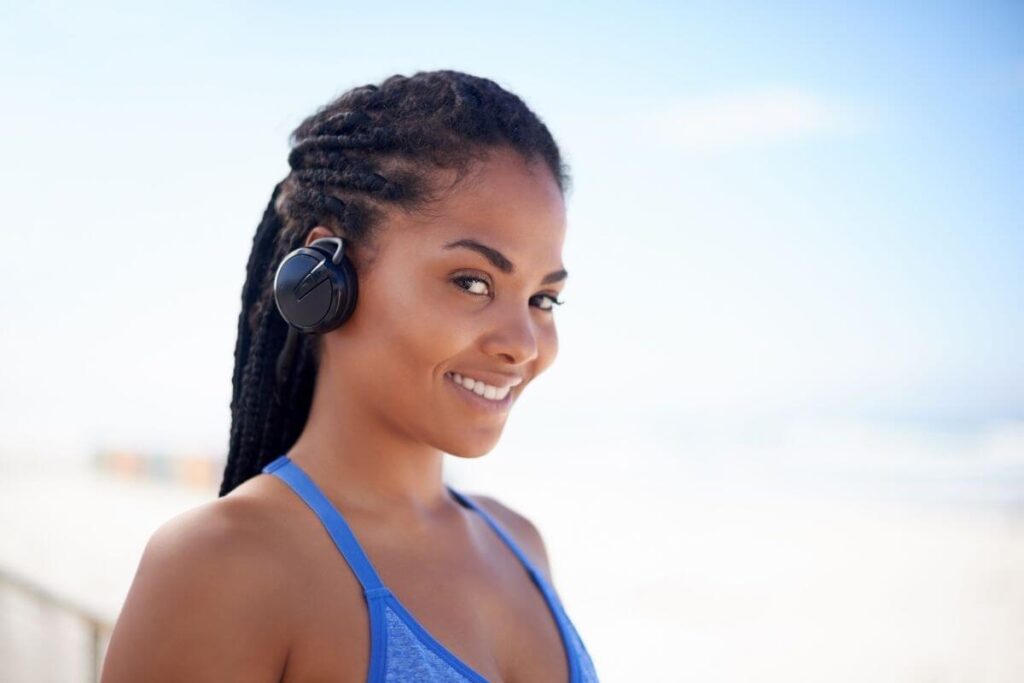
(777,209)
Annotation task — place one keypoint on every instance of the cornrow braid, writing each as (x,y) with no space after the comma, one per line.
(373,147)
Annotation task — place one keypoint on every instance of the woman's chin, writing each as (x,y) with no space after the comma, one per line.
(462,447)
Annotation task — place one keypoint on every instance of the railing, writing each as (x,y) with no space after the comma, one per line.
(98,628)
(190,470)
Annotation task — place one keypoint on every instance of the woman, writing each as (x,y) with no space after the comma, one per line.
(335,551)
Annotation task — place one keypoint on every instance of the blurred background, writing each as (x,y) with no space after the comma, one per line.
(784,436)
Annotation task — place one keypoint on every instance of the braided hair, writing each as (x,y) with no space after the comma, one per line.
(372,147)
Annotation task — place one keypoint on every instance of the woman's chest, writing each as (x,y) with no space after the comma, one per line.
(484,610)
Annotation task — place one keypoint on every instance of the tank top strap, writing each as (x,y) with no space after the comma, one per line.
(290,473)
(500,530)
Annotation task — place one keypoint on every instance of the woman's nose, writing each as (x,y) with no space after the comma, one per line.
(514,337)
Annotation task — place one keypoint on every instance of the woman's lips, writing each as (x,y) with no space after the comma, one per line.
(479,402)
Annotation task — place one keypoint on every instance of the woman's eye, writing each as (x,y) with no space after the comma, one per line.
(552,302)
(479,287)
(466,278)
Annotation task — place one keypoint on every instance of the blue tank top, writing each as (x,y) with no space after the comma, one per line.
(401,649)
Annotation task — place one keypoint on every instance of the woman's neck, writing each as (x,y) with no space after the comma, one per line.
(357,455)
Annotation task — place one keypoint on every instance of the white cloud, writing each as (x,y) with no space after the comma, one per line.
(750,117)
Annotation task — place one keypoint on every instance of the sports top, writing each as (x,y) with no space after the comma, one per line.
(401,649)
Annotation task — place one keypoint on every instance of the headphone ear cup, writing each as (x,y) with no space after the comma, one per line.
(312,293)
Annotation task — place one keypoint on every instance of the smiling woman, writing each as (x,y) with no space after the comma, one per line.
(427,214)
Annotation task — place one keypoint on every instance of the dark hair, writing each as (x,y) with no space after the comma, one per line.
(374,146)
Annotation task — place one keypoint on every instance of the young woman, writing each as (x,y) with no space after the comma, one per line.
(336,551)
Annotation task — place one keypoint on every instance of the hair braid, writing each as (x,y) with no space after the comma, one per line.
(373,147)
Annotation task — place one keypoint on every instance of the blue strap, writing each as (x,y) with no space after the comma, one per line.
(505,536)
(550,596)
(293,475)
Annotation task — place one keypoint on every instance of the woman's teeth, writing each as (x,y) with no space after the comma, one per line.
(480,388)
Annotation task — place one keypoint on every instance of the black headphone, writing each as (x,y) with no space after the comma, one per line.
(315,290)
(315,287)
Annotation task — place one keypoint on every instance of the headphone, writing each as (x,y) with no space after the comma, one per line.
(315,290)
(315,287)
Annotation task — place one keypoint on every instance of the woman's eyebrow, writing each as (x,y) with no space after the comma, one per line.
(500,261)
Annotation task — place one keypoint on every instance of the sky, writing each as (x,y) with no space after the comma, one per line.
(777,210)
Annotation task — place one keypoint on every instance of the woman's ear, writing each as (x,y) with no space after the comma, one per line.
(318,232)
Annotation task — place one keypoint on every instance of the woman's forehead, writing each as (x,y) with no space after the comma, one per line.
(506,205)
(505,178)
(505,198)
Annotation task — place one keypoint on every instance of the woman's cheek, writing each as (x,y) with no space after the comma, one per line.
(548,348)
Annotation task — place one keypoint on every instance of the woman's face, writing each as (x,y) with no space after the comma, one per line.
(467,289)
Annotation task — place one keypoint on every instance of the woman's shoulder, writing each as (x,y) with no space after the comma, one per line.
(208,583)
(239,531)
(523,531)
